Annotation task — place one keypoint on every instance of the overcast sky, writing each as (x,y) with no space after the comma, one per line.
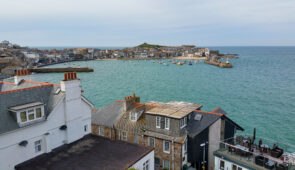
(131,22)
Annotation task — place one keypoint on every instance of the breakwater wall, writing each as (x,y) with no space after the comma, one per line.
(61,70)
(219,64)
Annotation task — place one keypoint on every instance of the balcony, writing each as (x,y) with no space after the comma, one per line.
(254,154)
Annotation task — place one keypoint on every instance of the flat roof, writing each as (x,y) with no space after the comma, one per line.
(90,152)
(24,106)
(173,109)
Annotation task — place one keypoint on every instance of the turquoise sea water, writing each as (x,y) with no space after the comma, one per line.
(259,91)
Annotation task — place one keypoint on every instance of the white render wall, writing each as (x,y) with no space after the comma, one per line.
(150,157)
(227,164)
(214,138)
(47,131)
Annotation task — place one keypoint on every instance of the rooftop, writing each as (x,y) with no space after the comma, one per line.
(254,154)
(173,109)
(91,152)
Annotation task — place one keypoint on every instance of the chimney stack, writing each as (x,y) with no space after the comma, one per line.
(21,74)
(129,102)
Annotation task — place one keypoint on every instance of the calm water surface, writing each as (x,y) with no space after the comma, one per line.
(259,91)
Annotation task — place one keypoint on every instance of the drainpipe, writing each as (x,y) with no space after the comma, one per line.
(172,154)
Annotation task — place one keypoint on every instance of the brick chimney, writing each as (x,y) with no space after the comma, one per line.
(71,84)
(129,102)
(22,74)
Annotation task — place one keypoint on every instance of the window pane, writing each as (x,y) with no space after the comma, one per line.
(23,116)
(221,164)
(151,142)
(234,167)
(166,164)
(37,146)
(31,116)
(38,112)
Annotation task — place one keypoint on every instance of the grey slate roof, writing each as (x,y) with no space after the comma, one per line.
(195,127)
(108,115)
(42,94)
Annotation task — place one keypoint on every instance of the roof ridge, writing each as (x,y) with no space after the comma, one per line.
(213,113)
(28,88)
(37,82)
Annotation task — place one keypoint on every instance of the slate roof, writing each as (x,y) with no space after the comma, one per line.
(108,115)
(23,94)
(195,127)
(91,153)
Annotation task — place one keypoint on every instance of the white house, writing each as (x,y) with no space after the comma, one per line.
(37,117)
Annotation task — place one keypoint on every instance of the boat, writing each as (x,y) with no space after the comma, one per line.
(190,63)
(197,61)
(165,64)
(174,62)
(180,63)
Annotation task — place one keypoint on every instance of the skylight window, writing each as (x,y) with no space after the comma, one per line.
(198,117)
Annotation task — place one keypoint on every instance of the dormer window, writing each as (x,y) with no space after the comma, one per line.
(133,116)
(28,113)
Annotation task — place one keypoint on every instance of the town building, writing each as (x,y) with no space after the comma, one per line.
(177,130)
(41,123)
(36,117)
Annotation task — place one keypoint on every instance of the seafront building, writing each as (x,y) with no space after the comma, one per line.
(246,152)
(47,125)
(182,135)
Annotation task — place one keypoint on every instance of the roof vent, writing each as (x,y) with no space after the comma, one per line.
(23,143)
(198,117)
(63,127)
(57,91)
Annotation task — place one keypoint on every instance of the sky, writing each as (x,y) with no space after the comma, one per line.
(132,22)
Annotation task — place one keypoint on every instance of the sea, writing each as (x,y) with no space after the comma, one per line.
(258,92)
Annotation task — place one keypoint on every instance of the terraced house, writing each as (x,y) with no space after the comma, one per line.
(176,130)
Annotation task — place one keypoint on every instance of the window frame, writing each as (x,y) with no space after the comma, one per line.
(30,112)
(133,116)
(146,165)
(122,136)
(167,123)
(164,146)
(183,122)
(101,130)
(164,160)
(154,140)
(221,168)
(158,122)
(38,146)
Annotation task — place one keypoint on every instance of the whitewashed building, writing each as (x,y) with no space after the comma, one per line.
(36,117)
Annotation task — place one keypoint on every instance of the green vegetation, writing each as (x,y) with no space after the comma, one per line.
(146,45)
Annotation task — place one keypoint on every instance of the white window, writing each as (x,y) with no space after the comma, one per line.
(151,141)
(167,123)
(38,146)
(136,138)
(101,130)
(166,146)
(183,122)
(146,165)
(133,116)
(85,128)
(124,136)
(166,164)
(31,114)
(158,122)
